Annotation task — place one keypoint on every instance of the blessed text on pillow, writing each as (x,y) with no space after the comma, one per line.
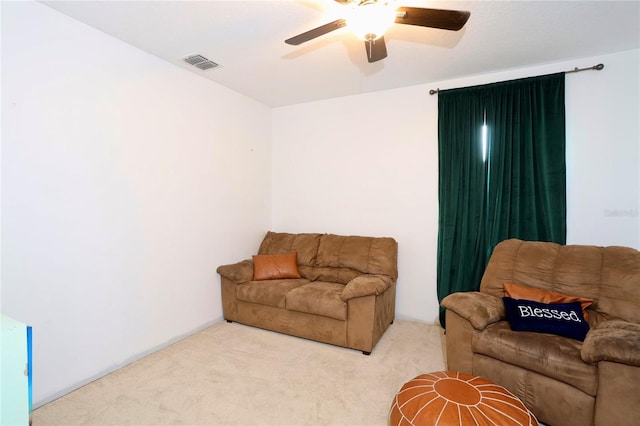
(517,291)
(562,319)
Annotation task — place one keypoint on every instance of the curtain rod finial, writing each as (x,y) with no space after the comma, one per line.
(433,92)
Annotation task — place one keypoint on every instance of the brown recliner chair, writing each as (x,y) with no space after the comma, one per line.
(563,381)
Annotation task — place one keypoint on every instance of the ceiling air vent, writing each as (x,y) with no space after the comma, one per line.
(200,62)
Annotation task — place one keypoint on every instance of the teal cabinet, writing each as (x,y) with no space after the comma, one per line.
(16,370)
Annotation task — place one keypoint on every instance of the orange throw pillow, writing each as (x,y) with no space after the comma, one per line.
(275,266)
(517,291)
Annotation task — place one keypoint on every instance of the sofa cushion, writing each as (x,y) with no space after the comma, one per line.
(563,319)
(275,266)
(568,269)
(619,296)
(607,275)
(319,298)
(270,293)
(516,291)
(368,255)
(306,245)
(553,356)
(333,275)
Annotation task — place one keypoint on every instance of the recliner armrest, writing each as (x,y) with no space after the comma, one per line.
(238,272)
(615,341)
(479,309)
(366,285)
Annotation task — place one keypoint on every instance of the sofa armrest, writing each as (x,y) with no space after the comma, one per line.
(479,309)
(366,285)
(238,272)
(615,341)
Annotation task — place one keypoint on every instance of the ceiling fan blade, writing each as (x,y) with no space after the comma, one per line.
(435,18)
(376,49)
(316,32)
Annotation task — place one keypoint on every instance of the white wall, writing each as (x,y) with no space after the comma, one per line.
(603,115)
(368,165)
(125,182)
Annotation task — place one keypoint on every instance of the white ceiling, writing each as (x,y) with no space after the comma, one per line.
(247,39)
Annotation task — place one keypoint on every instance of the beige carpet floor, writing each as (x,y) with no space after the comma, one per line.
(230,374)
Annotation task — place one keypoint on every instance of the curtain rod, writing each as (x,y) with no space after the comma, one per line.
(576,69)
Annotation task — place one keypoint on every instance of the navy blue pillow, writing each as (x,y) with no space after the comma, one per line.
(563,319)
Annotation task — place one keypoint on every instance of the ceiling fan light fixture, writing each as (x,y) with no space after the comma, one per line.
(370,19)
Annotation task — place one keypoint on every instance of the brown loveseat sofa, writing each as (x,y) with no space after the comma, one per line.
(345,294)
(563,381)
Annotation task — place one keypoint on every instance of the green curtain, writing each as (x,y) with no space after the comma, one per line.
(515,190)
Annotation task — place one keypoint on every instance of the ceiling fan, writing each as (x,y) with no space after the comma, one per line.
(369,19)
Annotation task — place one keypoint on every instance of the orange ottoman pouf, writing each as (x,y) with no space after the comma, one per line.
(448,398)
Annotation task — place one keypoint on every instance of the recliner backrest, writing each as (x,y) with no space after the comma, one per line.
(608,275)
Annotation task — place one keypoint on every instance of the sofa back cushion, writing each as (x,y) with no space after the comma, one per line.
(610,276)
(306,245)
(364,255)
(335,258)
(620,289)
